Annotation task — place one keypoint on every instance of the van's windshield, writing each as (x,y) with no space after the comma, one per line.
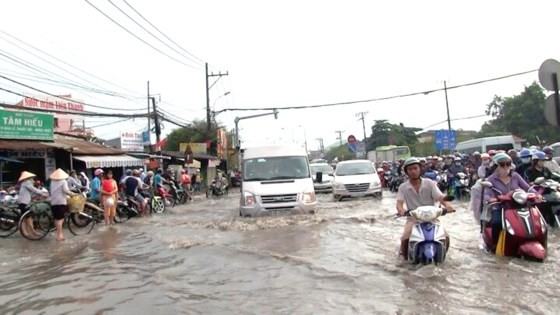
(273,168)
(354,169)
(324,168)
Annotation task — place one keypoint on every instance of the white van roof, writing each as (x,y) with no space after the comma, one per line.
(273,151)
(486,140)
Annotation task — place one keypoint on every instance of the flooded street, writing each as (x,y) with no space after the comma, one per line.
(203,258)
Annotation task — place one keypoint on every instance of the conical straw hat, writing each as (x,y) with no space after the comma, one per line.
(25,175)
(59,174)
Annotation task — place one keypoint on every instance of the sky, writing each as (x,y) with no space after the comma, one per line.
(279,54)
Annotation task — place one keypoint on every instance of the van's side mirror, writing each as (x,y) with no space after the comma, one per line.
(319,177)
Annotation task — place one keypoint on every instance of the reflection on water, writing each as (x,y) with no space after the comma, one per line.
(202,258)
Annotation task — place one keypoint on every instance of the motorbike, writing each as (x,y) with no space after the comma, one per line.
(214,190)
(524,230)
(427,243)
(550,207)
(460,186)
(395,182)
(442,182)
(177,192)
(155,203)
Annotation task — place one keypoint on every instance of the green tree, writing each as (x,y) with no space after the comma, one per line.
(341,152)
(385,133)
(521,115)
(194,132)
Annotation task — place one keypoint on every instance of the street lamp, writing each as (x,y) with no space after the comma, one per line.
(225,94)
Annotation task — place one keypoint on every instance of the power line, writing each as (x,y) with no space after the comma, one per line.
(48,111)
(137,37)
(154,36)
(380,98)
(66,63)
(461,118)
(68,99)
(110,123)
(152,25)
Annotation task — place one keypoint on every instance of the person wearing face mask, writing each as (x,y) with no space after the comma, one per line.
(455,168)
(505,181)
(550,164)
(484,170)
(524,162)
(537,168)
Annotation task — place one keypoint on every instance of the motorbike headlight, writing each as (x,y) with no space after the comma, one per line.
(309,197)
(509,228)
(520,197)
(249,199)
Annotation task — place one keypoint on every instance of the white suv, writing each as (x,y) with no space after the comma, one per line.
(356,178)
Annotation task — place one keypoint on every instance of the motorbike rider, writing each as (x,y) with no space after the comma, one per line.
(417,192)
(133,185)
(504,180)
(456,168)
(484,170)
(423,166)
(524,162)
(515,160)
(550,163)
(73,181)
(537,168)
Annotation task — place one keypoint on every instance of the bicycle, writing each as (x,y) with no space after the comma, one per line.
(9,218)
(40,212)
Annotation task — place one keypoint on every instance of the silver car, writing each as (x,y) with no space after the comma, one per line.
(325,186)
(356,178)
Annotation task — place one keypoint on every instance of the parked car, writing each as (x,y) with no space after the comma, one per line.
(356,178)
(325,183)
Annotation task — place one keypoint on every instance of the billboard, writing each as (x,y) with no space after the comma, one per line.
(26,125)
(63,122)
(132,141)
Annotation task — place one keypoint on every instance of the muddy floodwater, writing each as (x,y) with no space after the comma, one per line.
(202,258)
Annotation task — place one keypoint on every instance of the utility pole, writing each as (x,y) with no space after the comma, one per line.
(149,118)
(447,105)
(156,119)
(340,135)
(208,87)
(363,114)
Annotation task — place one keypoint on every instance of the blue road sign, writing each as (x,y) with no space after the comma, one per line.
(445,139)
(352,147)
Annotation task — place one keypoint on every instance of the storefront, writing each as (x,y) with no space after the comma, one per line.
(26,145)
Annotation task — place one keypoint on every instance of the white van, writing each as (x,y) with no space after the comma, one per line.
(276,180)
(489,143)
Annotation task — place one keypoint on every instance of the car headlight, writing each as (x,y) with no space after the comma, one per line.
(338,186)
(309,197)
(374,184)
(249,199)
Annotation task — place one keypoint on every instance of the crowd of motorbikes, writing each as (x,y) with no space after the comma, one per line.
(526,216)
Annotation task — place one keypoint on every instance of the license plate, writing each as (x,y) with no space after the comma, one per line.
(278,212)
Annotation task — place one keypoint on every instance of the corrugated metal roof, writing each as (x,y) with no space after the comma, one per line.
(14,145)
(80,146)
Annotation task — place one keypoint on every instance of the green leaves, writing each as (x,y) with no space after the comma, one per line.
(521,115)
